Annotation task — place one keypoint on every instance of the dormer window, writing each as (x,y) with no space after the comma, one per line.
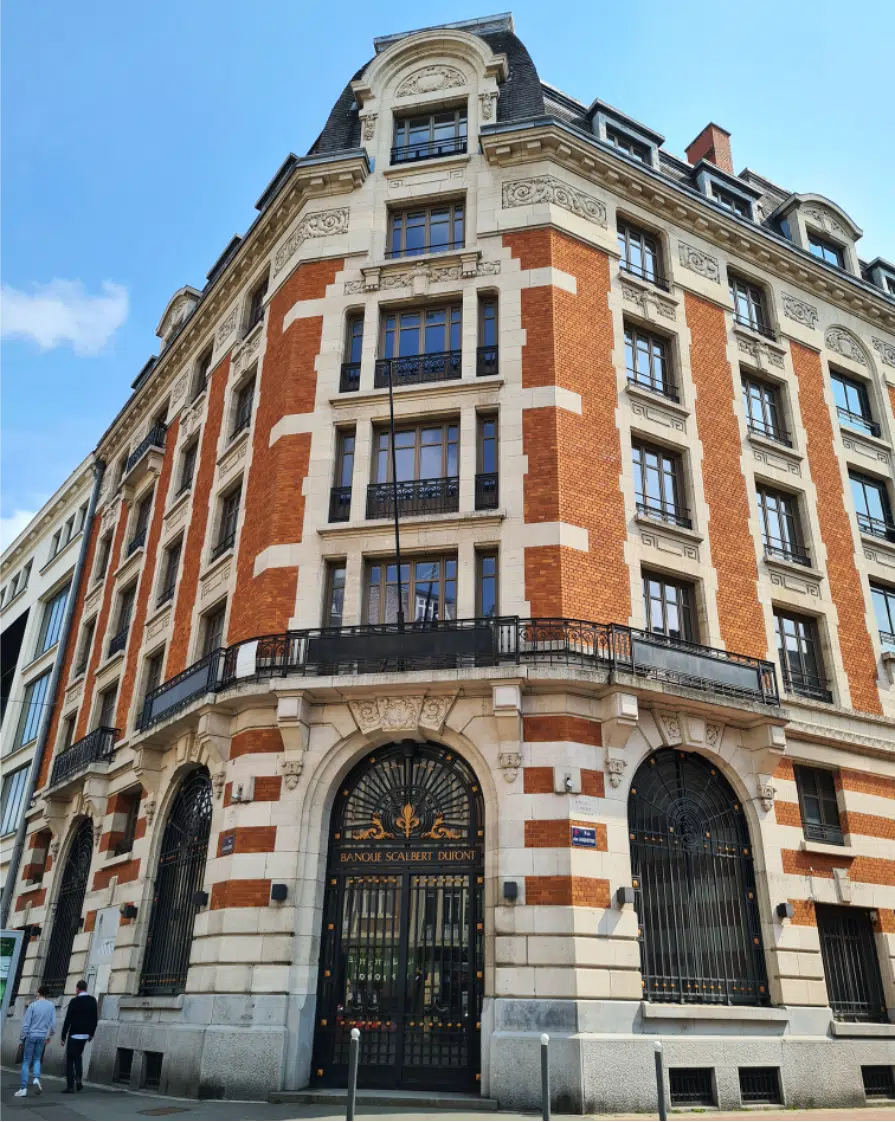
(731,202)
(427,138)
(627,144)
(826,251)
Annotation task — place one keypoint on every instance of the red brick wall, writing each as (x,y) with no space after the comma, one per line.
(586,892)
(254,741)
(274,503)
(126,872)
(866,870)
(569,342)
(537,780)
(556,833)
(267,790)
(194,545)
(240,894)
(836,532)
(249,839)
(561,726)
(733,550)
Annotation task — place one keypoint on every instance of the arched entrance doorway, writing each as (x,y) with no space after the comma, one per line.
(694,884)
(69,905)
(403,942)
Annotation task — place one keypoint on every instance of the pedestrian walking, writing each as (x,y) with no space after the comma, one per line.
(37,1028)
(78,1028)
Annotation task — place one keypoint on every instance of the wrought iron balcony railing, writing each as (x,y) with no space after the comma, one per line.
(486,361)
(428,150)
(876,527)
(340,504)
(887,639)
(155,438)
(165,595)
(243,419)
(820,832)
(349,378)
(453,644)
(223,545)
(422,250)
(96,745)
(414,369)
(650,275)
(665,512)
(137,541)
(857,421)
(487,490)
(786,551)
(415,497)
(807,685)
(655,385)
(769,432)
(118,642)
(755,324)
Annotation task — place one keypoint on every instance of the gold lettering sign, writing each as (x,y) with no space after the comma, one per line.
(402,856)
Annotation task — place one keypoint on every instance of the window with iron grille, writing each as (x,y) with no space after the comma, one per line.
(853,404)
(188,466)
(627,144)
(68,731)
(69,909)
(125,608)
(170,570)
(851,963)
(883,597)
(825,250)
(430,229)
(32,710)
(103,554)
(334,606)
(486,585)
(420,345)
(51,623)
(691,1086)
(15,785)
(213,629)
(242,406)
(152,673)
(798,648)
(647,362)
(487,479)
(780,526)
(255,311)
(124,1061)
(760,1085)
(428,590)
(107,699)
(818,804)
(141,523)
(152,1069)
(657,485)
(340,496)
(203,366)
(427,137)
(748,304)
(879,1081)
(668,607)
(84,646)
(874,511)
(354,345)
(764,415)
(228,520)
(640,253)
(487,354)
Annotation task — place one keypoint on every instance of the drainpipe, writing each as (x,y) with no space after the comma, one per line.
(12,873)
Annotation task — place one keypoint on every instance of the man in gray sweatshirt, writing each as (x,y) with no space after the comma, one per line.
(38,1026)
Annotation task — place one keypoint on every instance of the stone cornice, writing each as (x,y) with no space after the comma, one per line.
(541,139)
(309,180)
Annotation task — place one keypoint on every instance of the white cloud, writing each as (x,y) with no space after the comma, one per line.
(13,525)
(62,312)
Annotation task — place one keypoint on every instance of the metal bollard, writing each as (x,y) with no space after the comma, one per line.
(545,1076)
(353,1050)
(660,1082)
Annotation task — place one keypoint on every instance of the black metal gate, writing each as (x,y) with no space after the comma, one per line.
(694,885)
(69,903)
(402,954)
(851,964)
(181,870)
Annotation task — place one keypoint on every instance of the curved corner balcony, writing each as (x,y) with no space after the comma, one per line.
(467,643)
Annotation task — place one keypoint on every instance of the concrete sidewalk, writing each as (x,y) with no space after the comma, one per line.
(104,1104)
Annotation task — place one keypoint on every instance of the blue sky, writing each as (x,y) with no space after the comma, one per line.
(136,139)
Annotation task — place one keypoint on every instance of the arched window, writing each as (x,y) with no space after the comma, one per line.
(180,873)
(69,904)
(694,885)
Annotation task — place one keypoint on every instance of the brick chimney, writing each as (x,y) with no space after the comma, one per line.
(712,144)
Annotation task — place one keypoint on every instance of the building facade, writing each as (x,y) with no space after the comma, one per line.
(36,572)
(608,751)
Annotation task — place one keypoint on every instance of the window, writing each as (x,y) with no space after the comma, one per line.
(749,305)
(335,594)
(106,713)
(103,554)
(872,506)
(826,251)
(126,606)
(354,345)
(640,254)
(853,404)
(229,517)
(141,524)
(691,1086)
(340,496)
(32,710)
(646,360)
(188,466)
(422,345)
(55,544)
(152,674)
(68,530)
(68,731)
(15,785)
(81,519)
(203,366)
(668,607)
(256,305)
(763,413)
(780,529)
(487,479)
(486,586)
(851,964)
(84,646)
(242,407)
(26,575)
(430,586)
(171,567)
(818,804)
(213,629)
(427,137)
(731,201)
(426,230)
(884,609)
(798,648)
(627,144)
(657,485)
(51,624)
(422,452)
(487,354)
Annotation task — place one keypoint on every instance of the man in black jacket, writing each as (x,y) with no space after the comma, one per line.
(79,1026)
